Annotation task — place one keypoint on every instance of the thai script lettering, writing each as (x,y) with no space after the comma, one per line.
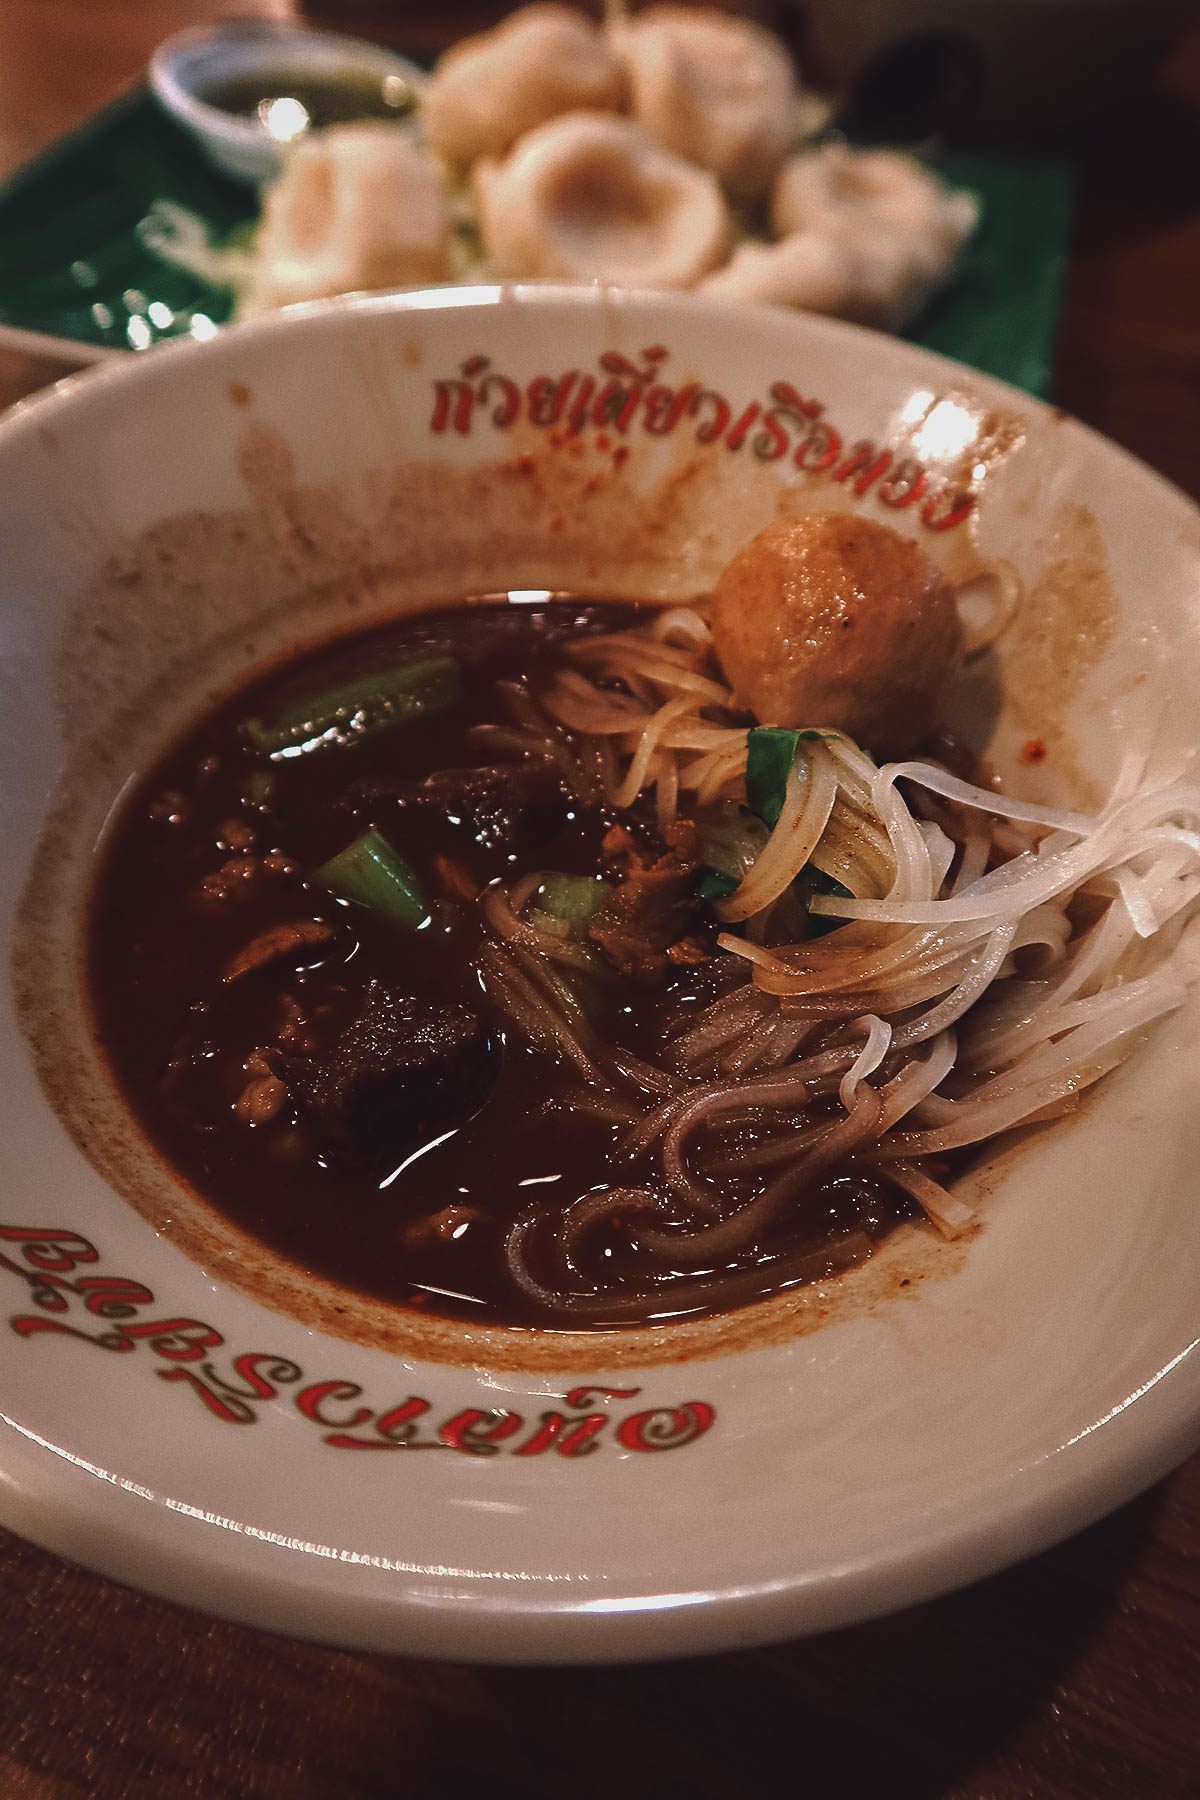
(58,1267)
(632,395)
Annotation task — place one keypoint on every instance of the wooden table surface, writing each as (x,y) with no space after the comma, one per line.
(1073,1677)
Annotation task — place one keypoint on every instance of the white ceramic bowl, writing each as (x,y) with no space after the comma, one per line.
(184,1412)
(195,62)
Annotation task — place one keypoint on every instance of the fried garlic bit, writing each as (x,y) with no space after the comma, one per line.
(490,89)
(357,206)
(588,197)
(717,90)
(832,620)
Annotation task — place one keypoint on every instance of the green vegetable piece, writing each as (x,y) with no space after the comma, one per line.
(341,715)
(770,753)
(575,898)
(715,884)
(373,874)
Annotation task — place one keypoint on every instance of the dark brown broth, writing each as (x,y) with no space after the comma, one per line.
(178,1036)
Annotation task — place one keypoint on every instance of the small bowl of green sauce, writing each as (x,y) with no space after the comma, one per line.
(246,91)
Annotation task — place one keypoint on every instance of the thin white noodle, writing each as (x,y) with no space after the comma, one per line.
(974,861)
(724,1020)
(879,1036)
(829,972)
(975,982)
(647,661)
(682,625)
(951,1216)
(629,789)
(826,1146)
(666,791)
(500,911)
(941,852)
(913,877)
(1068,1066)
(1027,881)
(916,1080)
(808,802)
(938,781)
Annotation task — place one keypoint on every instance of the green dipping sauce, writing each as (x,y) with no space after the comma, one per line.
(333,99)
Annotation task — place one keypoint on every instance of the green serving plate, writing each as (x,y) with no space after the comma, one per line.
(78,223)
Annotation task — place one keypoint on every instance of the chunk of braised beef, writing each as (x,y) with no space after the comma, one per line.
(651,919)
(401,1073)
(508,807)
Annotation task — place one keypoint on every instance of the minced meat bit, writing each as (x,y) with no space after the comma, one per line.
(650,919)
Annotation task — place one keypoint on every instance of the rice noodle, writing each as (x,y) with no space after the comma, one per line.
(681,625)
(951,1216)
(808,802)
(916,1081)
(635,779)
(1007,952)
(879,1036)
(730,1234)
(974,861)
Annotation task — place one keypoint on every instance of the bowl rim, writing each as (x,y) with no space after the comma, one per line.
(596,294)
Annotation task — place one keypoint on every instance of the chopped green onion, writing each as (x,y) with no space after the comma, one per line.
(372,874)
(576,899)
(715,884)
(770,753)
(341,715)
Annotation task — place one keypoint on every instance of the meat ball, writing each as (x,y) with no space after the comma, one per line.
(833,620)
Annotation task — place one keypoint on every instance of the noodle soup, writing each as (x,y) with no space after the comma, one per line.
(506,964)
(218,1021)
